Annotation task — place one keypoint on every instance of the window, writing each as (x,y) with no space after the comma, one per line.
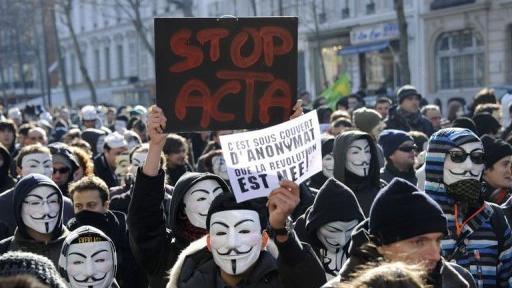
(460,60)
(107,63)
(120,61)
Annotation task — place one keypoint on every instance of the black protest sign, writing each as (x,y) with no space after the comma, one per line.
(225,73)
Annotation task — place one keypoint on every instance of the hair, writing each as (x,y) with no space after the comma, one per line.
(84,160)
(486,95)
(339,114)
(82,144)
(487,107)
(31,149)
(343,101)
(453,107)
(173,143)
(387,275)
(430,107)
(90,183)
(382,100)
(21,281)
(24,128)
(8,125)
(341,122)
(72,135)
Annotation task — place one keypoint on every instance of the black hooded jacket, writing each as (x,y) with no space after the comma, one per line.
(156,248)
(316,181)
(91,136)
(411,122)
(6,181)
(21,239)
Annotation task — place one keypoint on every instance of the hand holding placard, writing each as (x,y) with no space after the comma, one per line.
(156,125)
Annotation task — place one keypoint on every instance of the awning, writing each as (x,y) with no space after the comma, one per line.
(363,48)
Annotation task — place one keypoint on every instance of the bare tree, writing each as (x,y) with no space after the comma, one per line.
(62,69)
(318,45)
(405,72)
(184,5)
(67,9)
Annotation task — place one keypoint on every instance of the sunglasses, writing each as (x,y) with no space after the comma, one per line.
(460,156)
(62,170)
(408,148)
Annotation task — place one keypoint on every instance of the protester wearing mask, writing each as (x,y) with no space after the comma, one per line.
(95,138)
(406,116)
(65,166)
(156,248)
(317,180)
(233,253)
(479,235)
(370,121)
(105,163)
(356,164)
(6,181)
(497,175)
(404,225)
(38,205)
(32,159)
(328,223)
(399,150)
(88,259)
(89,117)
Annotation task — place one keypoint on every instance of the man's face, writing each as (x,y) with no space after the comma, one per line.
(61,174)
(435,117)
(138,159)
(197,201)
(219,167)
(411,104)
(40,209)
(335,235)
(499,175)
(423,249)
(352,103)
(177,159)
(90,264)
(6,137)
(37,136)
(328,165)
(89,200)
(403,157)
(89,123)
(39,163)
(112,154)
(460,166)
(383,109)
(358,157)
(235,240)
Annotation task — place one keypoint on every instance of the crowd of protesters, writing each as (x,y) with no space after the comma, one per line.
(102,197)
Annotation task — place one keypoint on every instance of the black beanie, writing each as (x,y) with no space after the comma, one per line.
(495,149)
(486,124)
(406,91)
(227,201)
(401,212)
(465,122)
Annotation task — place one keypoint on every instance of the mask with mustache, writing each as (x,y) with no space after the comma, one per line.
(41,208)
(197,201)
(358,157)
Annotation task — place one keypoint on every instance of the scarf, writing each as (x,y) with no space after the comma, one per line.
(190,232)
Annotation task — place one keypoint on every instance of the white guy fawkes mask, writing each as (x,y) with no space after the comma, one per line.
(40,209)
(453,172)
(358,157)
(122,165)
(90,265)
(39,163)
(235,238)
(198,199)
(219,167)
(328,165)
(120,126)
(138,159)
(100,144)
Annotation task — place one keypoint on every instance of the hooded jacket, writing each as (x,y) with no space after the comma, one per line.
(21,239)
(156,248)
(334,202)
(317,180)
(6,181)
(486,235)
(365,188)
(296,266)
(362,252)
(86,231)
(103,170)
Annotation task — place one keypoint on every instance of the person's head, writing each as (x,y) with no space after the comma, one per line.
(455,109)
(486,124)
(358,157)
(89,116)
(37,135)
(7,133)
(34,159)
(369,121)
(337,114)
(88,258)
(432,113)
(114,146)
(340,125)
(353,102)
(120,124)
(95,138)
(409,98)
(236,234)
(324,114)
(140,128)
(486,95)
(407,225)
(498,157)
(15,115)
(86,166)
(327,157)
(382,106)
(89,194)
(388,275)
(23,134)
(465,122)
(341,104)
(176,150)
(305,97)
(65,164)
(399,148)
(111,114)
(132,139)
(491,108)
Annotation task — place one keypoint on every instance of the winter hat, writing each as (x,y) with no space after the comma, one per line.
(406,91)
(366,119)
(465,122)
(486,124)
(400,211)
(89,113)
(16,263)
(62,153)
(495,149)
(115,140)
(391,139)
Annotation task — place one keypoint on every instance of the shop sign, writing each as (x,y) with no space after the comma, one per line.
(374,33)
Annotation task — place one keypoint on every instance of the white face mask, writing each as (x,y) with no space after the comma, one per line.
(39,163)
(219,167)
(453,172)
(328,165)
(100,143)
(120,126)
(235,238)
(198,199)
(138,159)
(90,265)
(40,209)
(122,165)
(358,157)
(335,235)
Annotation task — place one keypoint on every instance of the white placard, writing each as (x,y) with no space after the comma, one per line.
(256,160)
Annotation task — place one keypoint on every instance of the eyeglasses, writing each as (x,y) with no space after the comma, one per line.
(62,170)
(459,156)
(409,148)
